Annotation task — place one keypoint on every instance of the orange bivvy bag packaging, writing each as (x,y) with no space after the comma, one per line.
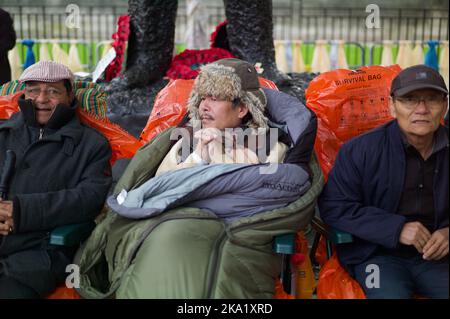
(348,103)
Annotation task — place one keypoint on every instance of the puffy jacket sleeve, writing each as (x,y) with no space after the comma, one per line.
(342,204)
(45,211)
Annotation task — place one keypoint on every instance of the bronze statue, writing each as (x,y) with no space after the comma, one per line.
(151,44)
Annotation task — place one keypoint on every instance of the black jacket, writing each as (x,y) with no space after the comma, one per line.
(7,42)
(61,179)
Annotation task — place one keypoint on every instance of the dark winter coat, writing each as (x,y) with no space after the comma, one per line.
(364,190)
(62,178)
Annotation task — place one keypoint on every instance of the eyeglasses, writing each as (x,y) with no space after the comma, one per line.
(50,92)
(411,102)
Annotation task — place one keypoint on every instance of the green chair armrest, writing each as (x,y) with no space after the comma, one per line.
(339,237)
(332,234)
(284,244)
(71,235)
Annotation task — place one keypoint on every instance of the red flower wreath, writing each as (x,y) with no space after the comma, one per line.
(219,38)
(120,39)
(186,64)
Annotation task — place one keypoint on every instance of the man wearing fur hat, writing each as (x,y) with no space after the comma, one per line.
(226,103)
(61,176)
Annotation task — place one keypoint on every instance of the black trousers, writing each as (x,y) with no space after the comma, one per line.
(10,288)
(32,273)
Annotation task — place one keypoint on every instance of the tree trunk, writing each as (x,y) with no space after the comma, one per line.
(150,50)
(250,36)
(151,42)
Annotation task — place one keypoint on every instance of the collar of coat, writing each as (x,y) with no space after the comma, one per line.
(440,140)
(73,129)
(61,115)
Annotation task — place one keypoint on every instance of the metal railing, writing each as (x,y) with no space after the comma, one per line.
(87,47)
(49,22)
(349,24)
(292,21)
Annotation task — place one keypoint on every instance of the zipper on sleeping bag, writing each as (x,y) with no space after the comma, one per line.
(217,254)
(212,279)
(219,246)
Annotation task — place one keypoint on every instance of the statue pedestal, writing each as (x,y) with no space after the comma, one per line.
(131,107)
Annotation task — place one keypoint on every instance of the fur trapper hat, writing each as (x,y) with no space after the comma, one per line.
(230,79)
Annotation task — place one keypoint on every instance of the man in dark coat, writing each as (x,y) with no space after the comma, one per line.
(389,188)
(7,42)
(61,176)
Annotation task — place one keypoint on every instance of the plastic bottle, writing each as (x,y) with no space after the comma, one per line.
(305,281)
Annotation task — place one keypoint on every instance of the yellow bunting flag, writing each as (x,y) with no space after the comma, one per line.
(386,57)
(14,62)
(280,56)
(74,59)
(443,61)
(59,55)
(298,64)
(44,54)
(321,60)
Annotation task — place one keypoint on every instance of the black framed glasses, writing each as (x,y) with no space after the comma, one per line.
(411,102)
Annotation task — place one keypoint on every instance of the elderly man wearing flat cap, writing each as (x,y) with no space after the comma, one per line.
(61,176)
(389,188)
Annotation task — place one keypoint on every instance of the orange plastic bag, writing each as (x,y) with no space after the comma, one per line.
(279,291)
(336,283)
(8,105)
(321,252)
(63,292)
(171,106)
(123,144)
(348,103)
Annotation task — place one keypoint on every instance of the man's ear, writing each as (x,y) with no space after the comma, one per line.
(243,110)
(392,107)
(446,108)
(71,96)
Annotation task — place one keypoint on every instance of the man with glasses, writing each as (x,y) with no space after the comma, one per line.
(61,176)
(389,188)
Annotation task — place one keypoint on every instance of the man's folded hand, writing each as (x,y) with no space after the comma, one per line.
(6,217)
(437,247)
